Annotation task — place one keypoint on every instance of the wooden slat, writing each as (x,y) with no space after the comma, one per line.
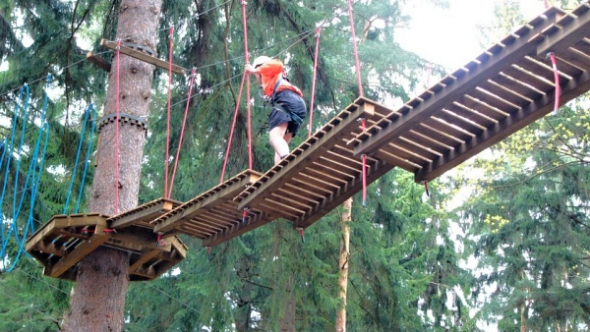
(142,56)
(143,214)
(220,194)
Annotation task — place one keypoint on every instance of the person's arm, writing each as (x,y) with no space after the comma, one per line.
(250,69)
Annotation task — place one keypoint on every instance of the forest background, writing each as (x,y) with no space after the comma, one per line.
(502,243)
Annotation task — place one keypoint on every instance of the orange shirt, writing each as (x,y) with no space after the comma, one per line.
(270,72)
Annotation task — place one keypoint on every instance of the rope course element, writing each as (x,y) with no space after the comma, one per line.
(315,67)
(32,179)
(167,159)
(188,101)
(91,109)
(245,25)
(556,78)
(356,52)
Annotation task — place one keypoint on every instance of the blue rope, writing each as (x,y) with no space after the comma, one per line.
(6,236)
(88,150)
(29,226)
(33,177)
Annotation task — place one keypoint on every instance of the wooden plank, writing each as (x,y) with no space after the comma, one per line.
(573,56)
(494,101)
(317,213)
(81,251)
(568,35)
(215,196)
(525,116)
(505,94)
(143,259)
(348,122)
(143,213)
(518,86)
(511,53)
(98,61)
(142,56)
(236,230)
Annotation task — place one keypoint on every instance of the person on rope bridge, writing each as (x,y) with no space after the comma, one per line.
(288,106)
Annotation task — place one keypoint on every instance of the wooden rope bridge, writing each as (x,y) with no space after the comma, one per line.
(503,90)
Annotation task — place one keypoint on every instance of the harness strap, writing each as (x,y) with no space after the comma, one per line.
(280,107)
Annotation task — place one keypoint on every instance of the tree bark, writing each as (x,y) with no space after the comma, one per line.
(340,325)
(98,300)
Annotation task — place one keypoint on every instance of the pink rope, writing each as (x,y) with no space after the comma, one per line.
(188,101)
(166,161)
(233,125)
(356,53)
(247,85)
(556,77)
(315,66)
(117,107)
(364,173)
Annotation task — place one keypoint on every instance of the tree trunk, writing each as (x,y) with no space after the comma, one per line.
(340,325)
(289,305)
(98,300)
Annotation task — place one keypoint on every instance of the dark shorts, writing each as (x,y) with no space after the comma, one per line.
(293,111)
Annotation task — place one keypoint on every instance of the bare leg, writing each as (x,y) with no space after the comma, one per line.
(277,141)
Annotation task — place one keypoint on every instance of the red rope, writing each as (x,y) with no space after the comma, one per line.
(166,161)
(364,157)
(315,66)
(556,77)
(356,53)
(117,107)
(546,4)
(231,133)
(247,85)
(188,102)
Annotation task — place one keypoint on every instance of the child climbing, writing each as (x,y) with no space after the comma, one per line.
(288,106)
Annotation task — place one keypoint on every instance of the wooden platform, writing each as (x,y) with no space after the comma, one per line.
(213,216)
(503,90)
(321,173)
(65,240)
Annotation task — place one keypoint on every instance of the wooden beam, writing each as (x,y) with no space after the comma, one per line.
(142,56)
(567,35)
(81,251)
(143,259)
(503,129)
(385,131)
(98,61)
(348,122)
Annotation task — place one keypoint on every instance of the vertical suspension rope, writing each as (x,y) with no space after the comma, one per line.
(166,160)
(356,53)
(244,3)
(231,132)
(364,173)
(556,78)
(315,67)
(118,115)
(188,102)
